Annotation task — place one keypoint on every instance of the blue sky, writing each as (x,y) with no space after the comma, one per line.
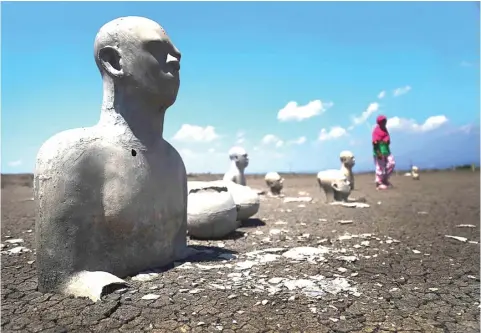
(293,83)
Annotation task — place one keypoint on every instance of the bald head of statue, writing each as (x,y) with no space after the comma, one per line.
(137,60)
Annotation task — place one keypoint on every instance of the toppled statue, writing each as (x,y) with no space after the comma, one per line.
(239,161)
(211,211)
(338,184)
(275,183)
(246,199)
(112,198)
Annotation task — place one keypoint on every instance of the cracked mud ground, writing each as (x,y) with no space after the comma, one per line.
(408,277)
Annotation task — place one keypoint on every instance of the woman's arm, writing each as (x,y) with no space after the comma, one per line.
(375,145)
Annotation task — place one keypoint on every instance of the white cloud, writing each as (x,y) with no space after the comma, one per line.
(466,128)
(240,137)
(401,91)
(429,124)
(186,153)
(334,133)
(381,94)
(271,139)
(465,64)
(15,163)
(373,107)
(194,133)
(294,112)
(299,141)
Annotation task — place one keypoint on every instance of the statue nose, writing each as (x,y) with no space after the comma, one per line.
(173,61)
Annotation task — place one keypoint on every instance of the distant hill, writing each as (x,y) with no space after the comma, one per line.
(443,151)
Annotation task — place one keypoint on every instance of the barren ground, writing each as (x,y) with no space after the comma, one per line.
(406,277)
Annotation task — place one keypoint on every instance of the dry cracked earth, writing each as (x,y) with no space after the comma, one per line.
(296,267)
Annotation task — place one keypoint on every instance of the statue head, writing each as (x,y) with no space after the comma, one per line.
(138,59)
(239,156)
(342,188)
(274,181)
(347,158)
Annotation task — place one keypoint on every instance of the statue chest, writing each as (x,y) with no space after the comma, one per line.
(148,187)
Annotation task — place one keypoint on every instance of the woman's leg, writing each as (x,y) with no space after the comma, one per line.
(379,170)
(390,164)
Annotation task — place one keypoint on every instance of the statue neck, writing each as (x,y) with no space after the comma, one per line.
(235,167)
(135,117)
(346,169)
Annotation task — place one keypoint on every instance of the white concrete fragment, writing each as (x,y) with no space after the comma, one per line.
(245,265)
(90,284)
(14,241)
(150,297)
(17,250)
(144,277)
(305,253)
(458,238)
(350,204)
(348,258)
(297,199)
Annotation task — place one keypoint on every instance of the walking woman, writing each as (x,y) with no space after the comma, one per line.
(383,158)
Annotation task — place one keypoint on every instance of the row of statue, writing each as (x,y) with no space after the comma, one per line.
(113,200)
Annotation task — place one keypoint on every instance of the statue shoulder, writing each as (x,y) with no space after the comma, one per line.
(67,147)
(175,156)
(229,176)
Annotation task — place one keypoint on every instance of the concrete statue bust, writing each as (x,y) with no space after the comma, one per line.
(275,183)
(337,184)
(239,160)
(112,198)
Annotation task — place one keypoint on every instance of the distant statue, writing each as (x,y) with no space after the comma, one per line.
(275,183)
(112,199)
(337,184)
(239,162)
(415,172)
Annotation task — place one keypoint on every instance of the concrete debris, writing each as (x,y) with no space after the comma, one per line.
(350,204)
(297,199)
(150,297)
(347,258)
(14,241)
(461,239)
(16,250)
(304,253)
(143,277)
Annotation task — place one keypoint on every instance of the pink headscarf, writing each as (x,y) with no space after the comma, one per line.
(380,134)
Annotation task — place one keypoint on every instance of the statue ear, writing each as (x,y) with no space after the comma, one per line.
(111,61)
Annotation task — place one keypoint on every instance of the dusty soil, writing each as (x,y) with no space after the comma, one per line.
(404,274)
